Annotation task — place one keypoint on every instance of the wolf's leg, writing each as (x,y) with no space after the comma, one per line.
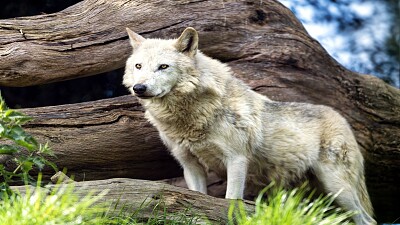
(193,171)
(195,177)
(334,179)
(236,171)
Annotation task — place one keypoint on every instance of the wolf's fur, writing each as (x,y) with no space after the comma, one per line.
(212,121)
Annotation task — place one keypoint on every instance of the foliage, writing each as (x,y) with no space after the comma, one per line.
(364,35)
(60,206)
(13,141)
(293,207)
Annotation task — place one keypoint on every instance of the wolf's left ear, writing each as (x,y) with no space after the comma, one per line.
(188,42)
(134,38)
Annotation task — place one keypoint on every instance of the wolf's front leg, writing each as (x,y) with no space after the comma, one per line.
(193,171)
(236,171)
(195,177)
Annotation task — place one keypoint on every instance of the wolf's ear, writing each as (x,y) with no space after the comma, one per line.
(134,38)
(188,41)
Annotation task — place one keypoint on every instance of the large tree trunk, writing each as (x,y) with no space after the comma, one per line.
(146,199)
(262,41)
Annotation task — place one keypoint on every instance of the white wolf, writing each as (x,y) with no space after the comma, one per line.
(210,120)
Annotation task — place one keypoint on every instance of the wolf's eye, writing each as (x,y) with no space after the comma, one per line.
(163,67)
(138,66)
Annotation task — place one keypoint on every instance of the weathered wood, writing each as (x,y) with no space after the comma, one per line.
(143,196)
(89,37)
(103,139)
(261,40)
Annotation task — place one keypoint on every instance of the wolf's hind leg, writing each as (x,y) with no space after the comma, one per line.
(335,179)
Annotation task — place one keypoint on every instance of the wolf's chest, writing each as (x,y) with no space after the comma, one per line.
(180,128)
(210,156)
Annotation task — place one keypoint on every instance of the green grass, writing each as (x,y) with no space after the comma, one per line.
(294,207)
(60,206)
(125,215)
(63,206)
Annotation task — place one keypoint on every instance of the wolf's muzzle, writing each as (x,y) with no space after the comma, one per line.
(139,89)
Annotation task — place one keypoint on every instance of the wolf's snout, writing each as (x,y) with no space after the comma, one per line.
(139,89)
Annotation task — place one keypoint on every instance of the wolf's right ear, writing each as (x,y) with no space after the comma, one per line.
(188,42)
(134,38)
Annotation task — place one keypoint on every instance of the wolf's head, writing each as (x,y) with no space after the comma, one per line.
(156,67)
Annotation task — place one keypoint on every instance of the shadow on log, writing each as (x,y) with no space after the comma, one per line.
(262,41)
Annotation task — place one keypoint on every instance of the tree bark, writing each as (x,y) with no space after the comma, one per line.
(262,41)
(90,38)
(146,199)
(103,139)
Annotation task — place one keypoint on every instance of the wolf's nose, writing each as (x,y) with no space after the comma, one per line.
(139,89)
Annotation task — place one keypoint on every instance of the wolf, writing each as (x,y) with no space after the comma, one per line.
(212,121)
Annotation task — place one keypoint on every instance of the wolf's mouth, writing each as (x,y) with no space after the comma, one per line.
(144,96)
(148,97)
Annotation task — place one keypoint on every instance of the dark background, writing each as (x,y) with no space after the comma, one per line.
(384,56)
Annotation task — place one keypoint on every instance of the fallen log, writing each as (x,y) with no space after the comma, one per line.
(262,41)
(89,37)
(145,199)
(103,139)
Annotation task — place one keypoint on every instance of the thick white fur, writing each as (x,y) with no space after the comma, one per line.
(212,121)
